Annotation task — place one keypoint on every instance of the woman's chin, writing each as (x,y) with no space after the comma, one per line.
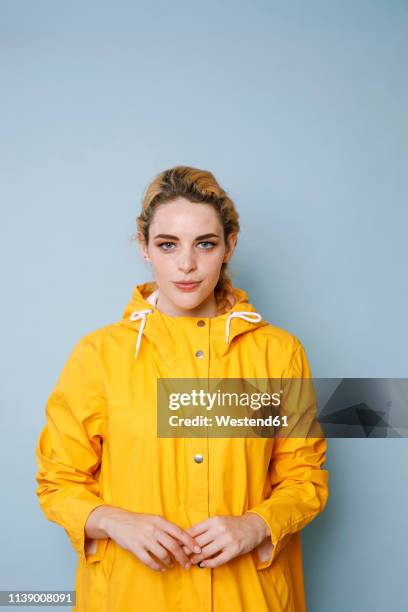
(188,301)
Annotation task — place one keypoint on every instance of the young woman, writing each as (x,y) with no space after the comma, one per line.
(179,524)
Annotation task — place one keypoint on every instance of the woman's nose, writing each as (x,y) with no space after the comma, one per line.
(186,261)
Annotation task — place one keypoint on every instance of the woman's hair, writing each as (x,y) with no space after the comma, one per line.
(198,186)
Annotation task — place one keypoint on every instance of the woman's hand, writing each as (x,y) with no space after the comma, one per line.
(224,537)
(145,535)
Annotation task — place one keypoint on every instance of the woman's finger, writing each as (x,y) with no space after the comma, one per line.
(223,557)
(175,548)
(185,538)
(208,551)
(144,556)
(160,552)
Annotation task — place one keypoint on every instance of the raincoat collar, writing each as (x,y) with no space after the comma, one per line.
(143,316)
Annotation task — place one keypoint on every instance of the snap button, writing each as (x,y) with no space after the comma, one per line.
(199,354)
(200,323)
(198,458)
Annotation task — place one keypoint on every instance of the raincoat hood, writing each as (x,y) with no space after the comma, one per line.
(148,321)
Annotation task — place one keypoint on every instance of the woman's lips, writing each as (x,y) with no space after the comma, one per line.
(187,286)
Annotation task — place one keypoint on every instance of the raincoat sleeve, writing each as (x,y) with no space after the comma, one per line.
(69,448)
(299,486)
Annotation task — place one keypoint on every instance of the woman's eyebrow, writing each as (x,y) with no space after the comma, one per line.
(202,237)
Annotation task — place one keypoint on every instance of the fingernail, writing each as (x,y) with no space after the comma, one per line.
(187,566)
(197,549)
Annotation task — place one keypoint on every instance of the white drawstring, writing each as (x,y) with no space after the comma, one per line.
(251,317)
(135,316)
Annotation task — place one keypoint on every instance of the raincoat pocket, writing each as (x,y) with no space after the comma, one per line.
(103,555)
(93,577)
(278,576)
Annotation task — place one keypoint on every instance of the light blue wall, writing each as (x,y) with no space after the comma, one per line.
(300,110)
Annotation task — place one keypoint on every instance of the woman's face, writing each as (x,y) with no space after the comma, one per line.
(186,243)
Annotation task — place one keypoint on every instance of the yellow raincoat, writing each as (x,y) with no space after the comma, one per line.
(100,445)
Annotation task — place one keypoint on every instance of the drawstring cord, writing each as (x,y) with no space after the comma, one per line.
(251,317)
(135,316)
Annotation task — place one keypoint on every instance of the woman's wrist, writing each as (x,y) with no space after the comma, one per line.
(99,522)
(260,525)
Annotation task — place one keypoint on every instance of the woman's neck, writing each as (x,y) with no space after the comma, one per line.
(206,309)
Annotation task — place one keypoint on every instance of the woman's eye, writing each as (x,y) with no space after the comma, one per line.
(207,242)
(165,243)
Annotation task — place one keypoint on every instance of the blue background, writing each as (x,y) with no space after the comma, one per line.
(300,111)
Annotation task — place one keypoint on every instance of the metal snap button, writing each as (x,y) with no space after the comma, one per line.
(198,458)
(200,323)
(199,354)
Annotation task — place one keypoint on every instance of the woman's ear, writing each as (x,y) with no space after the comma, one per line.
(143,248)
(232,241)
